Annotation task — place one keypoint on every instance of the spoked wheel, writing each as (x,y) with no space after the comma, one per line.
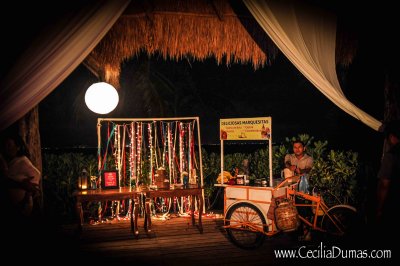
(341,220)
(245,224)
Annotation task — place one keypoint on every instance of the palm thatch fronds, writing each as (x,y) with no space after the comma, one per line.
(182,29)
(194,29)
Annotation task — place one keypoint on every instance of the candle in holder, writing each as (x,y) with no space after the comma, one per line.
(83,180)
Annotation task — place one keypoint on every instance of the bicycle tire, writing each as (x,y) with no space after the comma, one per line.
(244,237)
(346,218)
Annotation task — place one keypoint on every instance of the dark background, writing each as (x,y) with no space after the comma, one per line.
(212,92)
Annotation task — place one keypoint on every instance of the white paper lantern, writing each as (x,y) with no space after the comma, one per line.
(101,98)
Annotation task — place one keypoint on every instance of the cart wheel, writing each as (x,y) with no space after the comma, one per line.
(346,219)
(245,225)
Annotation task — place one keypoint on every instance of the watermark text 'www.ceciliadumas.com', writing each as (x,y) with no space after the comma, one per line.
(331,252)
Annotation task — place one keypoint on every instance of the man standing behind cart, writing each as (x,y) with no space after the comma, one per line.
(298,163)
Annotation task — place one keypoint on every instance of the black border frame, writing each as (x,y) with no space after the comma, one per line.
(103,186)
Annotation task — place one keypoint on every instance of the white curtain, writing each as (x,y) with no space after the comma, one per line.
(307,37)
(53,57)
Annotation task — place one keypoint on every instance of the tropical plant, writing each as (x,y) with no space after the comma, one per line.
(335,172)
(259,166)
(60,180)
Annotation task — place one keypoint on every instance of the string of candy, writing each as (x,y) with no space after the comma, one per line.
(123,154)
(118,164)
(98,146)
(175,158)
(173,152)
(186,154)
(192,142)
(169,151)
(117,146)
(163,142)
(109,144)
(185,148)
(156,143)
(112,144)
(139,150)
(181,135)
(196,166)
(132,155)
(174,163)
(151,173)
(145,153)
(190,165)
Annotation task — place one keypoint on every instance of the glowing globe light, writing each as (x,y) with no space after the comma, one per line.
(101,98)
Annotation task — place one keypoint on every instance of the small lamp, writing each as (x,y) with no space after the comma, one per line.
(101,98)
(83,180)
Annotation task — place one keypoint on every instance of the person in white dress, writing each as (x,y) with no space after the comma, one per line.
(20,176)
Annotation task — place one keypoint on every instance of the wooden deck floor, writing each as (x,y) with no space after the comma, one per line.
(171,242)
(174,242)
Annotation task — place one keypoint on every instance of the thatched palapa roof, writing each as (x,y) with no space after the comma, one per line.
(176,29)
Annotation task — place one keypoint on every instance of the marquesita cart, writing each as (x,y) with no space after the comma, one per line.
(252,213)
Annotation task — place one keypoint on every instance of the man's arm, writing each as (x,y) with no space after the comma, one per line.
(288,163)
(304,171)
(309,165)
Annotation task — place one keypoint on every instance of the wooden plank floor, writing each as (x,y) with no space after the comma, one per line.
(173,242)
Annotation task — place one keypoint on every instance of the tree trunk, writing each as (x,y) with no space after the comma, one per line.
(28,128)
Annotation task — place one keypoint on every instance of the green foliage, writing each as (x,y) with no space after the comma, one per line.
(234,160)
(336,172)
(259,164)
(211,169)
(60,180)
(278,156)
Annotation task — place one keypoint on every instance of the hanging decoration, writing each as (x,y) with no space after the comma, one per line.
(144,151)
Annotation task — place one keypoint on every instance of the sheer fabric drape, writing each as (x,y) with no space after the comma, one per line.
(53,57)
(307,37)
